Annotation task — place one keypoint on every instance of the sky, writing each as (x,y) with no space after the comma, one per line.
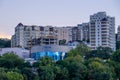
(52,12)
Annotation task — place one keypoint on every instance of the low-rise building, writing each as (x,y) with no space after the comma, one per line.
(23,53)
(57,52)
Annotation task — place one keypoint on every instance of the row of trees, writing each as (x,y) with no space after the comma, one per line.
(79,64)
(5,43)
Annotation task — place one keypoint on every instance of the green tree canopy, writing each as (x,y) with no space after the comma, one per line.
(3,74)
(116,56)
(117,45)
(101,52)
(10,60)
(14,76)
(27,72)
(46,73)
(81,49)
(5,43)
(44,61)
(61,73)
(99,71)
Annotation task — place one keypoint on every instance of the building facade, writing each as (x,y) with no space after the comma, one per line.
(84,32)
(118,33)
(22,53)
(77,34)
(57,52)
(64,33)
(99,31)
(102,31)
(25,34)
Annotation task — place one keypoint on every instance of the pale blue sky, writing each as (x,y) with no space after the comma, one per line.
(52,12)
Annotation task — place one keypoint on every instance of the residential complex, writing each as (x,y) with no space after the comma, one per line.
(102,31)
(99,31)
(24,35)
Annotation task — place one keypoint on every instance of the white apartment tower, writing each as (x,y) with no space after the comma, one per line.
(102,31)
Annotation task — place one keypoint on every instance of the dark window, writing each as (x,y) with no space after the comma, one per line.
(41,28)
(33,27)
(51,29)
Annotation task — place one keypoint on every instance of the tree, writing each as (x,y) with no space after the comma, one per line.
(3,74)
(115,62)
(101,52)
(81,50)
(10,60)
(27,64)
(73,53)
(46,72)
(116,56)
(77,71)
(115,68)
(14,76)
(45,68)
(104,52)
(44,61)
(91,54)
(117,45)
(76,58)
(36,64)
(99,71)
(5,43)
(61,73)
(62,42)
(28,73)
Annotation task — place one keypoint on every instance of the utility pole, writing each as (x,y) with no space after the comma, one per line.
(30,47)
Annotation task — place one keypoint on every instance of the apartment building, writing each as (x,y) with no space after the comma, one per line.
(99,31)
(64,33)
(102,31)
(24,34)
(77,34)
(84,32)
(118,33)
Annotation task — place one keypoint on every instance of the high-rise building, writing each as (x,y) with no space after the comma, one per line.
(24,34)
(13,41)
(102,31)
(77,34)
(84,32)
(64,33)
(118,33)
(99,31)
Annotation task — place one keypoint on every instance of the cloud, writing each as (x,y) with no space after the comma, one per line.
(2,35)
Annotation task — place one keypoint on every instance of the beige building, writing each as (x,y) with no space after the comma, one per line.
(24,34)
(64,33)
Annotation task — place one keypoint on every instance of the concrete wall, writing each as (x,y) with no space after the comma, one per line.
(53,48)
(23,53)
